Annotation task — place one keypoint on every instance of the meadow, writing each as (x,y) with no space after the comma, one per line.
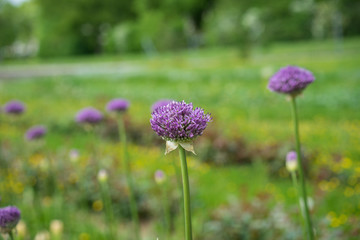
(238,178)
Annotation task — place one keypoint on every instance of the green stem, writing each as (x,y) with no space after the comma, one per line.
(178,182)
(296,186)
(108,208)
(11,235)
(302,188)
(127,169)
(294,179)
(186,194)
(167,210)
(178,175)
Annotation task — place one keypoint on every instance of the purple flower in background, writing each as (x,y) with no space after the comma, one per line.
(160,103)
(159,176)
(9,217)
(291,161)
(14,107)
(35,132)
(179,121)
(117,105)
(89,115)
(290,80)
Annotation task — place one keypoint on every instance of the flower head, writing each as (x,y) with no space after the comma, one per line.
(35,132)
(291,161)
(290,80)
(159,176)
(160,103)
(14,107)
(117,105)
(9,217)
(179,123)
(89,115)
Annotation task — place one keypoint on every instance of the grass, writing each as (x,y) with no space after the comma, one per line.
(229,87)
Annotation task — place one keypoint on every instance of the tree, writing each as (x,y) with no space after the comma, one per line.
(77,26)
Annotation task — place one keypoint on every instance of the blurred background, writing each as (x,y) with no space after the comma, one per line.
(40,28)
(58,57)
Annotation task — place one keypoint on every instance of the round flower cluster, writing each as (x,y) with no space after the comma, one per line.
(179,121)
(89,115)
(35,132)
(117,105)
(14,107)
(290,80)
(9,217)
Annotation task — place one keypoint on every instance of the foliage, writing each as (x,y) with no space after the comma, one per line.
(15,25)
(91,27)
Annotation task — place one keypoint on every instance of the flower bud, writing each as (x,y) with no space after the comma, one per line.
(102,175)
(43,235)
(74,155)
(159,176)
(56,227)
(21,229)
(291,161)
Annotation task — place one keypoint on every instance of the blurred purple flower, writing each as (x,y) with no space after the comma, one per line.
(291,161)
(35,132)
(290,80)
(9,217)
(159,176)
(14,107)
(117,105)
(160,103)
(89,115)
(179,121)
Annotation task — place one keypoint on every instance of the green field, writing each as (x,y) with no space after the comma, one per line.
(234,90)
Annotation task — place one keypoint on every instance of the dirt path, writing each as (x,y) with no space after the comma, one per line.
(68,69)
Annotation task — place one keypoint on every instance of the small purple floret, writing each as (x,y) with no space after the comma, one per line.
(14,107)
(291,161)
(290,80)
(117,105)
(89,115)
(159,176)
(9,217)
(179,121)
(35,132)
(160,103)
(291,156)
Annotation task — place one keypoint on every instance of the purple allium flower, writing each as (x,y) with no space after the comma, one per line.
(89,115)
(291,161)
(9,217)
(35,132)
(117,105)
(179,121)
(290,80)
(14,107)
(159,176)
(160,103)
